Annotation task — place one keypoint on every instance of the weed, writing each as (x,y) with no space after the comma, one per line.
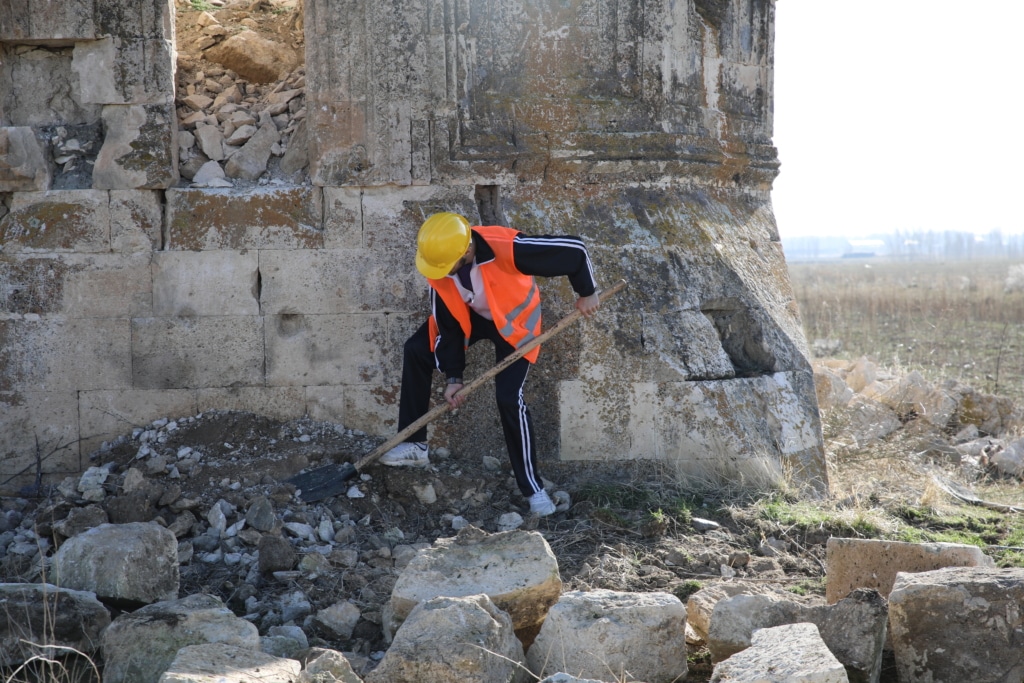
(815,586)
(684,590)
(201,5)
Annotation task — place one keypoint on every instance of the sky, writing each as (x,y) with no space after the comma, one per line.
(899,115)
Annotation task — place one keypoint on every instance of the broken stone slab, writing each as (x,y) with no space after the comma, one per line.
(701,604)
(135,563)
(139,646)
(453,639)
(913,395)
(23,166)
(221,663)
(250,161)
(50,616)
(868,563)
(339,619)
(609,633)
(958,624)
(211,141)
(794,653)
(869,420)
(211,174)
(854,628)
(516,569)
(140,150)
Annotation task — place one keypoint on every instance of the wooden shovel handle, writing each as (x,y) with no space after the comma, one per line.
(443,407)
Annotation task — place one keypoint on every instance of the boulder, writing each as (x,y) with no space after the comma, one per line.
(794,653)
(830,388)
(453,639)
(701,604)
(254,58)
(221,663)
(516,569)
(605,633)
(913,395)
(43,613)
(139,646)
(135,563)
(327,666)
(867,563)
(869,420)
(958,624)
(854,628)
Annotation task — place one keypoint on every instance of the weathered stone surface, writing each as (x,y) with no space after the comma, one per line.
(45,614)
(604,633)
(793,654)
(516,569)
(334,281)
(958,624)
(222,663)
(700,605)
(128,69)
(262,218)
(139,646)
(135,562)
(325,349)
(250,162)
(38,419)
(465,638)
(23,167)
(281,403)
(104,414)
(253,58)
(58,353)
(183,353)
(59,22)
(854,629)
(867,563)
(140,150)
(339,619)
(205,283)
(136,221)
(323,662)
(60,220)
(39,88)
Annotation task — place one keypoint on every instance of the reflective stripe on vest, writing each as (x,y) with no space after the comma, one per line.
(514,297)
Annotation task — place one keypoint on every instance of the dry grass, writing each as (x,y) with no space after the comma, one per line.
(947,320)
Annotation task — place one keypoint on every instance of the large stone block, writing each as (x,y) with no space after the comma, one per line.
(223,663)
(205,283)
(712,428)
(134,562)
(869,563)
(516,569)
(125,70)
(56,354)
(60,220)
(337,281)
(38,431)
(793,653)
(261,218)
(280,403)
(958,624)
(139,646)
(186,353)
(23,167)
(38,87)
(325,349)
(140,150)
(41,613)
(601,632)
(371,409)
(136,221)
(26,21)
(108,414)
(343,217)
(75,285)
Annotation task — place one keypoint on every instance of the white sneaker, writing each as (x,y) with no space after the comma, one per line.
(541,504)
(408,454)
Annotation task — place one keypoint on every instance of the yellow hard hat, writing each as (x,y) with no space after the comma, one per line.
(441,242)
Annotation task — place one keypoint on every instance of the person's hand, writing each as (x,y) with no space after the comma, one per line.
(453,400)
(588,305)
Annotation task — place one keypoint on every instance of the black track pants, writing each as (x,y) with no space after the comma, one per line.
(417,373)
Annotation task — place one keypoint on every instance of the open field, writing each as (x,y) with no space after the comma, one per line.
(950,321)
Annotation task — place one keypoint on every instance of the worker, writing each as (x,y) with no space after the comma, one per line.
(482,287)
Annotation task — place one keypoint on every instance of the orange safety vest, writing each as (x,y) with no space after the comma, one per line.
(513,297)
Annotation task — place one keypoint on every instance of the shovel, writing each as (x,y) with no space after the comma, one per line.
(329,480)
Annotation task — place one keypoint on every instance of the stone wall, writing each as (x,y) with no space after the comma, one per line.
(127,295)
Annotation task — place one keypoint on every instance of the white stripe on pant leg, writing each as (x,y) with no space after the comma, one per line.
(524,434)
